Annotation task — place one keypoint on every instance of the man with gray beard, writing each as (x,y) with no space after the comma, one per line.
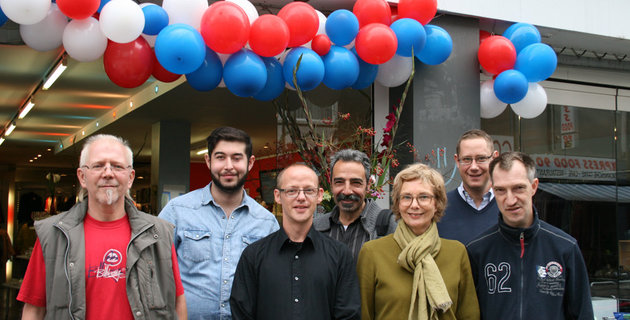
(354,220)
(103,258)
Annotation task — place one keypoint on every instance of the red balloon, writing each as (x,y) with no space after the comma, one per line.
(420,10)
(128,65)
(225,27)
(483,35)
(376,43)
(162,74)
(372,11)
(269,35)
(302,21)
(497,54)
(78,9)
(321,44)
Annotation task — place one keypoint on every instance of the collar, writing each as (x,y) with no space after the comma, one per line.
(281,240)
(514,234)
(487,197)
(206,197)
(75,216)
(334,216)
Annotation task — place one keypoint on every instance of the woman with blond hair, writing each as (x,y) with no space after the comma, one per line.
(413,273)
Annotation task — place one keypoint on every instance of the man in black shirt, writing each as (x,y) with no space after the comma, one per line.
(296,272)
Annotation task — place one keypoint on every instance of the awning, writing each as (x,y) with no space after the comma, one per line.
(587,192)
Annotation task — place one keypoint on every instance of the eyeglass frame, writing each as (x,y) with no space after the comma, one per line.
(298,190)
(477,159)
(115,168)
(422,199)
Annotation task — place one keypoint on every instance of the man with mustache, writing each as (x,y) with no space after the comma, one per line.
(215,223)
(354,220)
(103,259)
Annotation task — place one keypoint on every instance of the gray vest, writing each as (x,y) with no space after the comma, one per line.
(149,271)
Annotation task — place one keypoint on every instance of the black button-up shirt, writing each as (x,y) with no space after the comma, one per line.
(279,279)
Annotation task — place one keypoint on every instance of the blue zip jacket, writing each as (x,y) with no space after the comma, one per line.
(532,273)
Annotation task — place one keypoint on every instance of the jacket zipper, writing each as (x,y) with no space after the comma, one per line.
(65,268)
(522,241)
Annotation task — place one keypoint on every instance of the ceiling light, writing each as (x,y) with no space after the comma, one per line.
(9,129)
(1,141)
(26,109)
(53,76)
(200,152)
(30,160)
(39,155)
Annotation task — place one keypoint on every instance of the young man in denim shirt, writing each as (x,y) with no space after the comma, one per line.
(215,223)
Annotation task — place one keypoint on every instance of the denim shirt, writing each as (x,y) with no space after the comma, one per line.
(209,245)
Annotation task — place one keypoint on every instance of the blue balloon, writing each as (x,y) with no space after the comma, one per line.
(103,3)
(155,19)
(510,86)
(180,48)
(3,18)
(522,34)
(245,73)
(342,27)
(367,73)
(341,68)
(208,76)
(275,81)
(410,34)
(537,62)
(311,71)
(438,46)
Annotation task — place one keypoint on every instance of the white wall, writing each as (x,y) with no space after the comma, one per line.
(602,17)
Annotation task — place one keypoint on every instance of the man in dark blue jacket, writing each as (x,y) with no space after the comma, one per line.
(525,268)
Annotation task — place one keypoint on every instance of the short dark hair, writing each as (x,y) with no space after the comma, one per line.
(506,160)
(229,134)
(475,134)
(351,155)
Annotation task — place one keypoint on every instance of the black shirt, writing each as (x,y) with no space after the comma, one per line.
(354,236)
(279,279)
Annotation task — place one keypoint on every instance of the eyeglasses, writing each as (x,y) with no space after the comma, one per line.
(293,193)
(99,168)
(407,199)
(480,160)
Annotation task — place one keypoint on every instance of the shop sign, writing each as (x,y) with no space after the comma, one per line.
(574,168)
(503,143)
(568,128)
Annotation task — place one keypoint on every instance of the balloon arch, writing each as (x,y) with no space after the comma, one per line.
(229,44)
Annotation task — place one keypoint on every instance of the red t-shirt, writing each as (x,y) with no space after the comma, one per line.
(105,261)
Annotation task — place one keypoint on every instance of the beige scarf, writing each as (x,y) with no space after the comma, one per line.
(417,257)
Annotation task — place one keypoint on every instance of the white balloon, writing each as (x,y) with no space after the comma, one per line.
(394,72)
(185,11)
(83,40)
(490,105)
(322,22)
(25,11)
(534,102)
(248,7)
(46,34)
(321,29)
(122,21)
